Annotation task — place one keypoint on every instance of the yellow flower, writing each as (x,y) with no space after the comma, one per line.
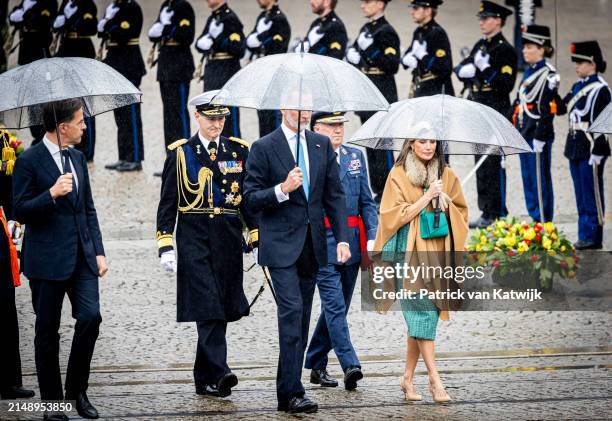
(510,241)
(489,229)
(529,234)
(522,247)
(563,248)
(501,224)
(553,235)
(478,247)
(546,243)
(551,253)
(549,227)
(483,239)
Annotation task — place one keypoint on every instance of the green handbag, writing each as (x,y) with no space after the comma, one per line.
(433,224)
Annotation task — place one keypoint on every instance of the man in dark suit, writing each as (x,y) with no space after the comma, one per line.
(62,251)
(292,242)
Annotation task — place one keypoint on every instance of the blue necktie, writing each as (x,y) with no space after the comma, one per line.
(302,165)
(68,168)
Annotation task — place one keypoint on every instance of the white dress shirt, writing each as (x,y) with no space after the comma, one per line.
(54,150)
(206,142)
(290,135)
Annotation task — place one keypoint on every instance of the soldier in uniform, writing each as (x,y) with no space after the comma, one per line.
(75,25)
(327,34)
(11,386)
(489,73)
(120,31)
(202,184)
(33,19)
(429,56)
(270,36)
(525,12)
(534,110)
(172,35)
(587,153)
(336,281)
(222,44)
(376,53)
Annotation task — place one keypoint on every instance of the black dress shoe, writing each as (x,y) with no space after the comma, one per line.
(323,378)
(283,406)
(481,222)
(55,416)
(587,245)
(16,392)
(207,390)
(351,377)
(225,384)
(114,165)
(301,404)
(129,166)
(83,406)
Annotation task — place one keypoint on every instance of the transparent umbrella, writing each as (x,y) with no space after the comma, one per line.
(603,123)
(25,89)
(303,82)
(467,127)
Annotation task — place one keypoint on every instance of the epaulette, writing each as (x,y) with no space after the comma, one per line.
(244,143)
(176,144)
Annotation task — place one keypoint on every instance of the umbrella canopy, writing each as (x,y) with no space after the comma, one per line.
(301,81)
(603,123)
(469,128)
(26,88)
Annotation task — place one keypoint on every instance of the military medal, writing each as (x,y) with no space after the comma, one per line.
(213,154)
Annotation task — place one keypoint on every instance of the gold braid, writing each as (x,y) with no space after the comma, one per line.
(204,177)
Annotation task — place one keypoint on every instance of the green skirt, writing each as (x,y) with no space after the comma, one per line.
(421,316)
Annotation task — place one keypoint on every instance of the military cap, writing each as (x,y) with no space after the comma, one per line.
(203,105)
(426,3)
(536,34)
(326,117)
(588,51)
(490,9)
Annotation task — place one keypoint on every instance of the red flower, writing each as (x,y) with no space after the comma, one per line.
(563,264)
(511,253)
(537,238)
(534,258)
(538,227)
(496,263)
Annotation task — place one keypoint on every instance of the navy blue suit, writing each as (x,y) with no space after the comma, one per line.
(292,238)
(336,281)
(62,239)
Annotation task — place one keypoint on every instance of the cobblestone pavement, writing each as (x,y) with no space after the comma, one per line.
(496,365)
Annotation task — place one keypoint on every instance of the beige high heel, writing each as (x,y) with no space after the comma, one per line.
(439,396)
(409,391)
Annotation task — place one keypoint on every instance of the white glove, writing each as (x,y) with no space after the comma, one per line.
(467,71)
(482,61)
(28,4)
(595,159)
(503,162)
(297,48)
(419,49)
(353,56)
(70,9)
(168,261)
(111,11)
(205,42)
(165,16)
(553,81)
(16,16)
(59,21)
(15,231)
(370,245)
(215,28)
(263,25)
(538,145)
(156,30)
(409,61)
(315,35)
(364,40)
(252,41)
(101,24)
